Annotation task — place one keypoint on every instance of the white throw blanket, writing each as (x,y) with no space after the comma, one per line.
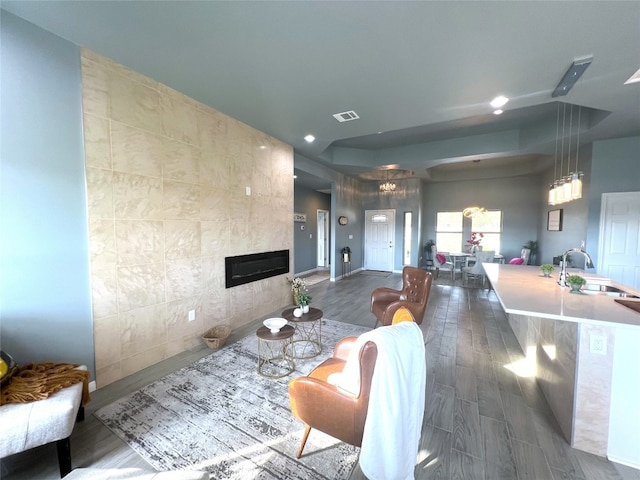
(396,405)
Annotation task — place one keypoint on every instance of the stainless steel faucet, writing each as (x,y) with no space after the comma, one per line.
(562,279)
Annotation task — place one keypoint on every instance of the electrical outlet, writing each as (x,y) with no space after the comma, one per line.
(192,315)
(598,344)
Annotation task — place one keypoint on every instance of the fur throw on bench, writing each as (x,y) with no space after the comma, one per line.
(36,381)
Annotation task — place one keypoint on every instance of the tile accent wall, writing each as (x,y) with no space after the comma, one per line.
(166,179)
(576,383)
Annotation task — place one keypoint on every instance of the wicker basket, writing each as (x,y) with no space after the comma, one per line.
(216,336)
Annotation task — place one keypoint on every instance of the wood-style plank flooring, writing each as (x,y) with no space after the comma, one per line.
(482,420)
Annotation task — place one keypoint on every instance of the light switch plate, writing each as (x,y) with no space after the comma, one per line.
(598,344)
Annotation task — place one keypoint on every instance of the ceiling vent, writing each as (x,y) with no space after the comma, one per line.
(346,116)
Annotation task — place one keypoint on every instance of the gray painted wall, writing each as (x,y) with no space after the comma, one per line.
(306,241)
(517,197)
(46,308)
(406,198)
(615,167)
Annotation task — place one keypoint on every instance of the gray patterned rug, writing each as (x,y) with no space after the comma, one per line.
(219,415)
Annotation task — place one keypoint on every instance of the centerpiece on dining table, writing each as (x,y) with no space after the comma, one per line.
(474,242)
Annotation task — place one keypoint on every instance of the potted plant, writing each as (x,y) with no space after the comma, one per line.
(576,282)
(546,268)
(304,299)
(532,245)
(298,285)
(427,248)
(346,254)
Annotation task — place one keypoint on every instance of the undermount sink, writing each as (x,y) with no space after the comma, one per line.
(608,290)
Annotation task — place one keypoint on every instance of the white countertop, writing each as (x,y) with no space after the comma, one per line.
(524,290)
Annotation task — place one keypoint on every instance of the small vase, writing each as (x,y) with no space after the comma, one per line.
(296,292)
(546,274)
(305,309)
(575,288)
(297,312)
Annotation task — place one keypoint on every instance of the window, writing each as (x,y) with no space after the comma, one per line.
(408,217)
(490,224)
(449,231)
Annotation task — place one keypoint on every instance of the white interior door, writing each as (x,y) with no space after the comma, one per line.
(378,239)
(619,247)
(323,238)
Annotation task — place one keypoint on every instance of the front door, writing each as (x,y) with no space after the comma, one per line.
(378,239)
(619,247)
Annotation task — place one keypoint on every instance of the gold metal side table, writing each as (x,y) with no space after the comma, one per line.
(273,359)
(307,342)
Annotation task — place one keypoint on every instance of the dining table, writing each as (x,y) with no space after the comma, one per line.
(461,259)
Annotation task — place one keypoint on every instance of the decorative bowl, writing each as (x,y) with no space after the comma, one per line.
(274,324)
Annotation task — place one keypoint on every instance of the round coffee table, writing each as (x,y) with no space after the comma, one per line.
(273,359)
(307,343)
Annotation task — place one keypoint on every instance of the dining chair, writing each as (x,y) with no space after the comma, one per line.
(525,253)
(440,261)
(477,270)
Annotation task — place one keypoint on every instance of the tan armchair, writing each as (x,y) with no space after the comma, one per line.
(327,408)
(416,285)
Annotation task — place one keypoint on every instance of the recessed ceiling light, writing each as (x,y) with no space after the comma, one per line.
(498,112)
(634,78)
(309,138)
(499,101)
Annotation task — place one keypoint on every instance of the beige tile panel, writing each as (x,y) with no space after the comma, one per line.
(145,359)
(214,168)
(108,374)
(239,204)
(142,329)
(104,288)
(137,197)
(99,193)
(593,392)
(179,120)
(215,237)
(139,242)
(97,142)
(215,203)
(102,243)
(178,324)
(213,272)
(136,151)
(212,129)
(134,103)
(215,308)
(182,239)
(240,238)
(181,201)
(106,334)
(184,278)
(180,161)
(95,88)
(140,286)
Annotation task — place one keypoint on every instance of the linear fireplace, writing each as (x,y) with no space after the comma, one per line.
(256,266)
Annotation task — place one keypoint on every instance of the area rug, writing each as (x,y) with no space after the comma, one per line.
(219,415)
(316,278)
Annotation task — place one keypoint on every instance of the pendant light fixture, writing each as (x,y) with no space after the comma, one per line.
(576,176)
(387,186)
(566,188)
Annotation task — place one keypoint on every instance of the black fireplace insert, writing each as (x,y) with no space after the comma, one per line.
(243,269)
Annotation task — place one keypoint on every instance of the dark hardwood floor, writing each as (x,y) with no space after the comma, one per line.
(482,420)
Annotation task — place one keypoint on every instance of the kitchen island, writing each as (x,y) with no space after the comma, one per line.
(586,352)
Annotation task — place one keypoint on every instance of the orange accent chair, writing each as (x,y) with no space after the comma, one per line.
(416,285)
(328,408)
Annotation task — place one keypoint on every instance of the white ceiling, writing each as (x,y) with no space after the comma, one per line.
(420,72)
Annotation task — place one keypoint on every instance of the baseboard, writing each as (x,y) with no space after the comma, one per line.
(92,386)
(624,462)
